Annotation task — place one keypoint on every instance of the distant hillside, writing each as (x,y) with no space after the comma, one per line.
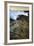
(23,17)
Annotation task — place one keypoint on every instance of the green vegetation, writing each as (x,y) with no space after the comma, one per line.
(19,29)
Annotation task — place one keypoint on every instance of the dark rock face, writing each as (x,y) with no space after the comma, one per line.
(19,29)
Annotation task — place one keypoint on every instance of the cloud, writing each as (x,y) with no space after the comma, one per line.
(14,14)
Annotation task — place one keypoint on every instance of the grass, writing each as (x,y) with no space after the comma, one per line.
(20,28)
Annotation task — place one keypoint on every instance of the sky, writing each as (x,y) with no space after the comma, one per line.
(14,14)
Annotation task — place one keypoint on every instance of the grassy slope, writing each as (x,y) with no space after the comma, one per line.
(19,29)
